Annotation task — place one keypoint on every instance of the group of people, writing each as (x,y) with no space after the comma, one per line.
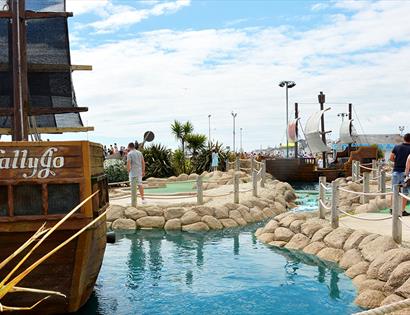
(401,158)
(113,150)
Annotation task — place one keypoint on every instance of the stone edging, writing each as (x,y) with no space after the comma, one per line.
(380,269)
(275,199)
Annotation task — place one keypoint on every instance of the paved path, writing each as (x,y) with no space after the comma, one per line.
(380,227)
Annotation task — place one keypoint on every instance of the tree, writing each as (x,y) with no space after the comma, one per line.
(181,131)
(195,143)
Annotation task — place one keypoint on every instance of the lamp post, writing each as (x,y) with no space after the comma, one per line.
(241,139)
(287,85)
(401,128)
(209,128)
(343,115)
(233,131)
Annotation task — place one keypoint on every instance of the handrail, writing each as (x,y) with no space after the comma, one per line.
(387,309)
(365,194)
(369,168)
(365,219)
(404,196)
(325,187)
(404,223)
(324,205)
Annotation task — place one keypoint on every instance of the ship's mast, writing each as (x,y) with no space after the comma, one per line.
(19,70)
(321,98)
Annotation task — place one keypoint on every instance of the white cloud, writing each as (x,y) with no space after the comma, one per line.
(85,6)
(146,82)
(319,6)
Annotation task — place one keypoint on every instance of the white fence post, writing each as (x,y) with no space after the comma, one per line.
(396,212)
(252,164)
(226,164)
(366,187)
(374,169)
(236,188)
(255,183)
(199,191)
(382,183)
(237,164)
(354,177)
(263,174)
(322,211)
(335,210)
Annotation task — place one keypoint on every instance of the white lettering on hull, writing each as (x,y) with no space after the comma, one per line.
(38,167)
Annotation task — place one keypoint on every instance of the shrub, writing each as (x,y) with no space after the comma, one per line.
(204,158)
(158,161)
(115,170)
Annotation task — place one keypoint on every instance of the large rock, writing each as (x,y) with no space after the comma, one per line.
(280,207)
(212,222)
(259,203)
(134,213)
(204,210)
(321,234)
(231,205)
(314,248)
(357,269)
(404,290)
(154,211)
(182,177)
(268,212)
(287,221)
(295,226)
(299,241)
(359,279)
(190,217)
(337,238)
(278,243)
(266,237)
(397,256)
(283,234)
(222,212)
(370,298)
(228,223)
(151,222)
(173,225)
(350,258)
(256,214)
(174,213)
(195,227)
(123,224)
(372,284)
(331,254)
(258,231)
(398,276)
(246,215)
(354,239)
(290,196)
(377,247)
(310,227)
(271,226)
(115,212)
(237,217)
(367,239)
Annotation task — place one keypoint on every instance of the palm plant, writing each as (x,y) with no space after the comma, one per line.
(204,157)
(195,142)
(181,131)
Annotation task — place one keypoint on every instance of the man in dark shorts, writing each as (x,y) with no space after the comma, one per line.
(399,156)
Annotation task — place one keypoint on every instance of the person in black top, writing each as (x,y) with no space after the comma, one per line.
(399,156)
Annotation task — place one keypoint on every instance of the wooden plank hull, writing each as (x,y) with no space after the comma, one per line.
(292,170)
(72,271)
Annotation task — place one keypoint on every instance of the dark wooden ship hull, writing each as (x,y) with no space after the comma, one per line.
(74,269)
(306,170)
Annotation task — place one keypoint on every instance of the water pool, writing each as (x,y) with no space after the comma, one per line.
(177,187)
(224,272)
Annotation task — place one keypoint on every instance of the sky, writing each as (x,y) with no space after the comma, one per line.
(156,61)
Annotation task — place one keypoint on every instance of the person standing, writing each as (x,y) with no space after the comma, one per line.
(215,160)
(399,156)
(136,171)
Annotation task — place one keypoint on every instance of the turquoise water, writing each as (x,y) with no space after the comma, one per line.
(176,187)
(224,272)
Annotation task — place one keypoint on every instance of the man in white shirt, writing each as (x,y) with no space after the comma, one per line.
(136,171)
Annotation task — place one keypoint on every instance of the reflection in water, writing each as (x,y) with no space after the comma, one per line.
(218,272)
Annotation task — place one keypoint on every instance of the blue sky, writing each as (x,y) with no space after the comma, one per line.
(156,61)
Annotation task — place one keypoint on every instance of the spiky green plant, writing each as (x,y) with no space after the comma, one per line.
(158,161)
(195,143)
(115,170)
(181,131)
(204,158)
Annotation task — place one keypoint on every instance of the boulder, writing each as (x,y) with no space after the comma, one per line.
(281,216)
(192,176)
(355,187)
(357,269)
(375,265)
(154,211)
(134,213)
(258,231)
(295,226)
(331,254)
(321,234)
(280,207)
(298,241)
(222,212)
(259,203)
(245,213)
(190,217)
(204,210)
(123,224)
(172,179)
(109,224)
(337,238)
(228,223)
(231,206)
(354,239)
(173,224)
(398,276)
(287,221)
(283,234)
(310,227)
(247,203)
(404,289)
(278,243)
(174,213)
(372,284)
(151,222)
(115,212)
(268,212)
(350,258)
(195,227)
(212,222)
(377,247)
(290,196)
(271,226)
(400,255)
(256,214)
(367,239)
(266,237)
(359,279)
(314,248)
(369,298)
(182,177)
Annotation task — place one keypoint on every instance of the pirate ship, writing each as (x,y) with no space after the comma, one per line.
(42,181)
(307,169)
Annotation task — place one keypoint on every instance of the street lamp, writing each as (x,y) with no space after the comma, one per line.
(241,139)
(233,132)
(209,128)
(288,85)
(401,128)
(343,115)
